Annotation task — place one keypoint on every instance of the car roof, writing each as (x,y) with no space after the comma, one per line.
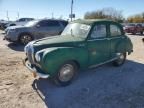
(52,20)
(91,21)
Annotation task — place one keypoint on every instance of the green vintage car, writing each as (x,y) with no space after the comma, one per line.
(83,44)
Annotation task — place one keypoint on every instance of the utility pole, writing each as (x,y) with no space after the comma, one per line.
(17,15)
(71,10)
(7,14)
(52,15)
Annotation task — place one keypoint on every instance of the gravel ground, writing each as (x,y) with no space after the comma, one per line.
(102,87)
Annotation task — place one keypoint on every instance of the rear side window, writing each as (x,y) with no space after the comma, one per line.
(22,19)
(64,23)
(53,23)
(115,30)
(139,25)
(99,31)
(43,24)
(30,19)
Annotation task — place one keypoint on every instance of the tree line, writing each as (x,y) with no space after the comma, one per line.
(113,14)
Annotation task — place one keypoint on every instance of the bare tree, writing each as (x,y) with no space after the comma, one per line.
(138,18)
(105,13)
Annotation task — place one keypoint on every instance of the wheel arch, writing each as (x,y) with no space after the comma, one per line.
(24,33)
(53,58)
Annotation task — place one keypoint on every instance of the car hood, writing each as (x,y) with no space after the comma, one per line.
(58,39)
(16,27)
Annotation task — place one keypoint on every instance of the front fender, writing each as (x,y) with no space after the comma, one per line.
(53,58)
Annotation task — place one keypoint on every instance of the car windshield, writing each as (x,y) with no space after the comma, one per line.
(31,23)
(131,25)
(77,30)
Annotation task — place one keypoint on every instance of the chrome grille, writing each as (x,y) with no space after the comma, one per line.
(29,55)
(30,52)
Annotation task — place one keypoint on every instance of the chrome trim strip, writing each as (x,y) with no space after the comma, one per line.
(105,38)
(42,75)
(93,66)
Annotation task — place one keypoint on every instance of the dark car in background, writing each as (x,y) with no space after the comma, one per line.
(134,28)
(3,24)
(35,30)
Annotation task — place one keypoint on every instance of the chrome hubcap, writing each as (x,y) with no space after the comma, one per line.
(66,73)
(26,39)
(121,58)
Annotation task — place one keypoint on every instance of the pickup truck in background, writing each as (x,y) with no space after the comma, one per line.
(134,28)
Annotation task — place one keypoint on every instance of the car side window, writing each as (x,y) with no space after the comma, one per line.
(49,24)
(53,24)
(115,30)
(139,25)
(64,23)
(43,24)
(99,31)
(21,20)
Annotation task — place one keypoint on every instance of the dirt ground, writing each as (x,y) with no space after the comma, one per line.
(102,87)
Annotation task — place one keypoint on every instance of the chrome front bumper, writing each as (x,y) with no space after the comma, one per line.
(34,70)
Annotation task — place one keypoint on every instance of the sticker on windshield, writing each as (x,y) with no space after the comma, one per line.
(84,27)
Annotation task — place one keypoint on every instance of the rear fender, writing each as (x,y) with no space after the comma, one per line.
(124,46)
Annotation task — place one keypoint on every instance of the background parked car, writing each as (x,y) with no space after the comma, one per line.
(21,21)
(3,24)
(35,30)
(134,28)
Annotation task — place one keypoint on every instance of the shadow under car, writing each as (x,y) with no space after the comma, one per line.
(101,87)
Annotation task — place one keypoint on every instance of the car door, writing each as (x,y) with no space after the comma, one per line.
(46,28)
(41,29)
(117,40)
(98,44)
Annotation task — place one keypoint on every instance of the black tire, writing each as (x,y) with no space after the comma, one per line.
(143,39)
(25,38)
(64,79)
(121,60)
(12,25)
(141,32)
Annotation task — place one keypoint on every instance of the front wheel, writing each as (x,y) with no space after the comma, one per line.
(121,59)
(66,74)
(25,39)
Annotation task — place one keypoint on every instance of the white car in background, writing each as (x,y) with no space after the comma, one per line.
(20,22)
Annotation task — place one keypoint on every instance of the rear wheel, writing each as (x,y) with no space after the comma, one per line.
(121,59)
(143,39)
(66,74)
(25,38)
(141,32)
